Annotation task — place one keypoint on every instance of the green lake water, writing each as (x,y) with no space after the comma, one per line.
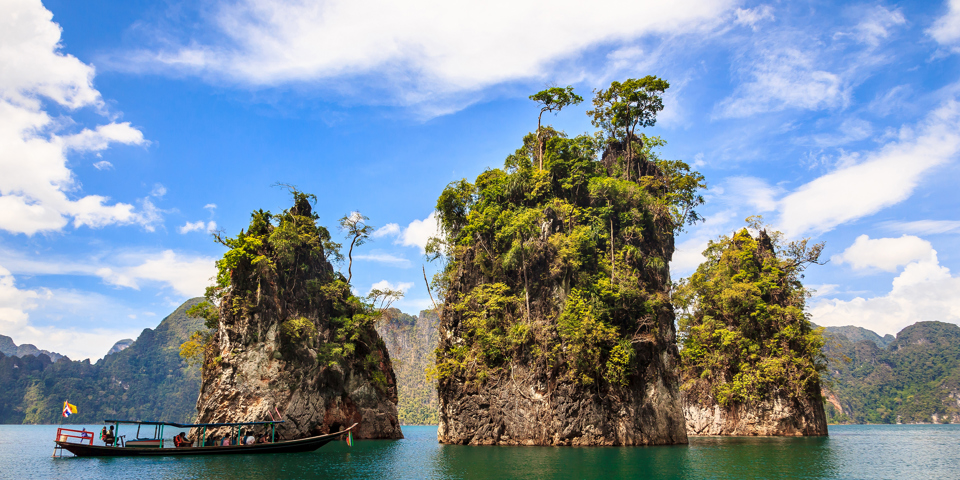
(896,452)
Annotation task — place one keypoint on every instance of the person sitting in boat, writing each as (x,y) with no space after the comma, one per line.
(108,437)
(181,440)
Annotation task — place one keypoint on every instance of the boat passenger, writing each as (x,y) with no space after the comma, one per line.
(109,438)
(181,440)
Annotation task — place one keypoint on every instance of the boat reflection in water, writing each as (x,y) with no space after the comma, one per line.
(80,443)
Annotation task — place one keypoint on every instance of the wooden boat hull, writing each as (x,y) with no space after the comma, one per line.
(289,446)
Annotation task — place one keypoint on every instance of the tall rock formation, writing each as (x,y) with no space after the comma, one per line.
(411,342)
(291,339)
(751,361)
(556,326)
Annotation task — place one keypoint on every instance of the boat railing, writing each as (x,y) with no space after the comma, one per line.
(74,436)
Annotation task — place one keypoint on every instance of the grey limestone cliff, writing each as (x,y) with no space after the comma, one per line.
(291,340)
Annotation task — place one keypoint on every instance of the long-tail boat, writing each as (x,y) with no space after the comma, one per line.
(80,443)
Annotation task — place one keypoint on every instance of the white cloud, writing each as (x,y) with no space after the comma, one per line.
(783,77)
(158,191)
(427,48)
(210,206)
(924,227)
(876,25)
(880,179)
(100,139)
(924,291)
(187,275)
(946,29)
(16,303)
(751,16)
(36,182)
(885,253)
(385,285)
(850,130)
(381,257)
(419,232)
(752,192)
(689,251)
(198,226)
(823,289)
(103,165)
(389,229)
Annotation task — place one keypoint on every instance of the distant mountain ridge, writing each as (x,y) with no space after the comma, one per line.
(10,349)
(145,380)
(911,378)
(120,346)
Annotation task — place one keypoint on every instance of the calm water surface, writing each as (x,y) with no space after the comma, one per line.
(851,452)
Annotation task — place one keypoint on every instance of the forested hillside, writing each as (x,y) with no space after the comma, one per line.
(147,380)
(912,378)
(411,342)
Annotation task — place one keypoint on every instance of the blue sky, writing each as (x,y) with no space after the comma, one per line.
(129,130)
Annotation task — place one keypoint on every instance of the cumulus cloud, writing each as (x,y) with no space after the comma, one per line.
(390,229)
(34,193)
(878,180)
(418,233)
(198,226)
(886,253)
(16,305)
(103,165)
(385,285)
(426,48)
(923,291)
(187,275)
(946,30)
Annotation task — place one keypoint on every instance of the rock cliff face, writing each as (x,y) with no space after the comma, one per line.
(411,342)
(292,340)
(781,416)
(556,328)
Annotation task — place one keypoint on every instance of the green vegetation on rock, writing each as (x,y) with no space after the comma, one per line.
(559,260)
(283,258)
(744,335)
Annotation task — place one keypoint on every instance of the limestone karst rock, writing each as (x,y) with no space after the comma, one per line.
(291,339)
(751,361)
(556,326)
(777,416)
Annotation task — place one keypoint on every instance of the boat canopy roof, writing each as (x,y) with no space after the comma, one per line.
(191,425)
